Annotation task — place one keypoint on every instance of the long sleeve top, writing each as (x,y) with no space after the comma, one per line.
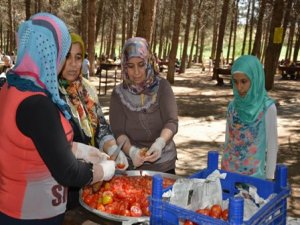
(145,125)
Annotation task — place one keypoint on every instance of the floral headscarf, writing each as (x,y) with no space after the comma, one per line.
(138,47)
(43,43)
(249,107)
(84,105)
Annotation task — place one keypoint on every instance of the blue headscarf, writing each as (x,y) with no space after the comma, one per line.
(256,99)
(43,43)
(138,47)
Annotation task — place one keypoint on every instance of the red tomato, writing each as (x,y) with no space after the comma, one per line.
(125,212)
(88,199)
(225,214)
(135,210)
(203,211)
(146,210)
(215,211)
(120,165)
(100,207)
(188,222)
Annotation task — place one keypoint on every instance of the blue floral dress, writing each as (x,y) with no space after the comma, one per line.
(245,145)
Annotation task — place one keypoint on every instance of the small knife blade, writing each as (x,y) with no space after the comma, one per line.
(117,151)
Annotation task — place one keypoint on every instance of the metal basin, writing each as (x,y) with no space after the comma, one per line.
(119,218)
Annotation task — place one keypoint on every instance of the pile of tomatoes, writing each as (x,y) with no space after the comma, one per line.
(215,211)
(122,195)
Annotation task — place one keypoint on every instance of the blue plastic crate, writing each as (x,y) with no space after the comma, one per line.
(272,213)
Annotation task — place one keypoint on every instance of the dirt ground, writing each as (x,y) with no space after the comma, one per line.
(202,109)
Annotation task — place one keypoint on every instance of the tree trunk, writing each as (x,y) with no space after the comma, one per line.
(146,19)
(130,24)
(251,26)
(296,47)
(230,32)
(290,39)
(258,35)
(84,21)
(202,39)
(114,31)
(235,28)
(10,27)
(246,28)
(221,37)
(124,20)
(186,36)
(37,6)
(193,44)
(175,38)
(27,9)
(198,37)
(215,30)
(91,33)
(99,17)
(271,59)
(161,32)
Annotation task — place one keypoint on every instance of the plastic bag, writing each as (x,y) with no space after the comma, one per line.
(196,193)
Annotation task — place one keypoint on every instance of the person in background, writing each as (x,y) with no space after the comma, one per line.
(251,131)
(143,111)
(38,159)
(13,57)
(7,64)
(87,119)
(86,66)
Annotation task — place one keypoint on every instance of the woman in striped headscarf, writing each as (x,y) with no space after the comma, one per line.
(37,158)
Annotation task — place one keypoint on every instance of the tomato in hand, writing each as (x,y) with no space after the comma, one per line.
(120,166)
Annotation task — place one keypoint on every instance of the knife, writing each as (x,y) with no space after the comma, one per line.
(117,151)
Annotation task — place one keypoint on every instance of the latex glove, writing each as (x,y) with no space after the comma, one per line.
(136,157)
(121,160)
(104,170)
(88,153)
(154,152)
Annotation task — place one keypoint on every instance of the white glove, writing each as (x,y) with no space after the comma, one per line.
(88,153)
(108,167)
(121,160)
(136,157)
(104,170)
(154,153)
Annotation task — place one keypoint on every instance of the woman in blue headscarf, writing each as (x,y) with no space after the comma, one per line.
(251,131)
(37,157)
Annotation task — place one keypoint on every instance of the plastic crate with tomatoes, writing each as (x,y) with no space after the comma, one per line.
(273,212)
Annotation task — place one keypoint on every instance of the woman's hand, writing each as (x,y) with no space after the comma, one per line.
(88,153)
(154,153)
(121,160)
(104,170)
(136,156)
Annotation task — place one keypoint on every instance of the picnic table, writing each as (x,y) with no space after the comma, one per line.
(291,71)
(106,67)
